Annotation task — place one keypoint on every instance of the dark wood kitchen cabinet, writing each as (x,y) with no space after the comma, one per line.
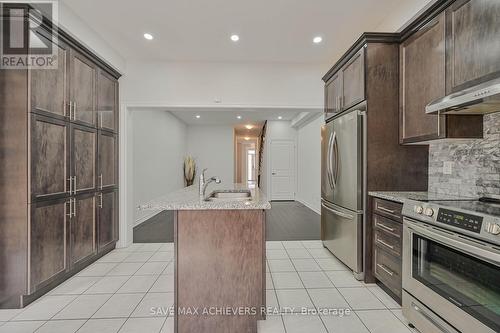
(387,226)
(473,43)
(49,88)
(82,89)
(48,240)
(50,148)
(83,158)
(108,162)
(333,94)
(49,154)
(83,228)
(107,213)
(353,80)
(346,87)
(422,81)
(107,101)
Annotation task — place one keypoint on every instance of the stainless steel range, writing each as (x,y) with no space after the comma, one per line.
(451,266)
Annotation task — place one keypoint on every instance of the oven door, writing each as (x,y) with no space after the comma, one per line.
(456,277)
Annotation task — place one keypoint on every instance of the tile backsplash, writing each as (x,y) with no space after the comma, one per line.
(475,164)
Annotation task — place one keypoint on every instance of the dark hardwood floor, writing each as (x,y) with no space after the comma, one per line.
(287,220)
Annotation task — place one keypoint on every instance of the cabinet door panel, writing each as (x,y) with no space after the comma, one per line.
(82,83)
(84,154)
(107,160)
(333,93)
(48,86)
(49,167)
(83,229)
(108,215)
(422,81)
(47,242)
(107,91)
(473,44)
(353,81)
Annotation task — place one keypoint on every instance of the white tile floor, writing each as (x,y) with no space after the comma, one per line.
(116,294)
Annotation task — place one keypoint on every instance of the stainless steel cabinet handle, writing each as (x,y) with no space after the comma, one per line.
(100,200)
(70,210)
(383,226)
(386,210)
(385,269)
(74,110)
(74,186)
(384,243)
(100,181)
(74,207)
(70,179)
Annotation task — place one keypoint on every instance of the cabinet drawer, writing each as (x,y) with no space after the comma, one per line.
(387,226)
(387,269)
(388,209)
(387,242)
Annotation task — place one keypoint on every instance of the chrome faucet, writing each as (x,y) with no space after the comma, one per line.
(202,186)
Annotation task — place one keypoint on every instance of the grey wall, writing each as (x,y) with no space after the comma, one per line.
(475,163)
(159,147)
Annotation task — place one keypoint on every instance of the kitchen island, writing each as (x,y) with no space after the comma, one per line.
(219,258)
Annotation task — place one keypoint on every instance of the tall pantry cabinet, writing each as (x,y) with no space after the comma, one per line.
(58,169)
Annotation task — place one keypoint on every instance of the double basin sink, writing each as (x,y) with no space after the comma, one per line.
(229,195)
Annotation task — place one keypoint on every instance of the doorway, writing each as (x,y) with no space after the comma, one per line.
(282,162)
(246,164)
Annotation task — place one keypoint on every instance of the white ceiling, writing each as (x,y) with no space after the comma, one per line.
(228,116)
(199,30)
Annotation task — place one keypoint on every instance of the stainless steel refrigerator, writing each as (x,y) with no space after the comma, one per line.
(342,187)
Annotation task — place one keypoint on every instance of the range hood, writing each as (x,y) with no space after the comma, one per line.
(480,99)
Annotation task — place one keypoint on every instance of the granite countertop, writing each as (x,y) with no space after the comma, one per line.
(417,196)
(188,199)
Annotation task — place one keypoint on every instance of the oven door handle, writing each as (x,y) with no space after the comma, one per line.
(459,243)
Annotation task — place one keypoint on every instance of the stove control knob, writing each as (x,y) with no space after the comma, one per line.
(418,209)
(429,212)
(493,228)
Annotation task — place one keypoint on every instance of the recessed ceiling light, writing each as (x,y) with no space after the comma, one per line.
(235,38)
(249,127)
(280,117)
(148,36)
(198,116)
(239,117)
(247,138)
(317,39)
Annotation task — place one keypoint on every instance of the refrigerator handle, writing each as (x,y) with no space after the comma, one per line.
(335,148)
(329,159)
(336,212)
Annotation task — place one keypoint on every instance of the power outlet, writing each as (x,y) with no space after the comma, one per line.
(447,168)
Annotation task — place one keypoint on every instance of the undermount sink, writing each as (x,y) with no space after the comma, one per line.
(230,195)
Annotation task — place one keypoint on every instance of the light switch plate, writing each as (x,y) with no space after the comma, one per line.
(448,168)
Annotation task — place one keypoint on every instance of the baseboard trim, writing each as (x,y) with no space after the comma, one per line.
(308,205)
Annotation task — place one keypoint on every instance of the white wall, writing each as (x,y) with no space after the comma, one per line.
(276,130)
(236,84)
(76,26)
(309,164)
(159,147)
(401,13)
(213,147)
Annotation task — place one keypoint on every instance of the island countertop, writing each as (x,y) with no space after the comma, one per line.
(189,199)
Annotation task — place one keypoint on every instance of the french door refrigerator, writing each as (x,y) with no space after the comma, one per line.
(342,187)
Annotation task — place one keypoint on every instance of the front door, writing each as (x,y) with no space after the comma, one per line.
(282,156)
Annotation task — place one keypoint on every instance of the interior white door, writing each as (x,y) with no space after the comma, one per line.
(282,157)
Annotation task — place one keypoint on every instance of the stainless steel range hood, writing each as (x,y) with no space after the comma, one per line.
(480,99)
